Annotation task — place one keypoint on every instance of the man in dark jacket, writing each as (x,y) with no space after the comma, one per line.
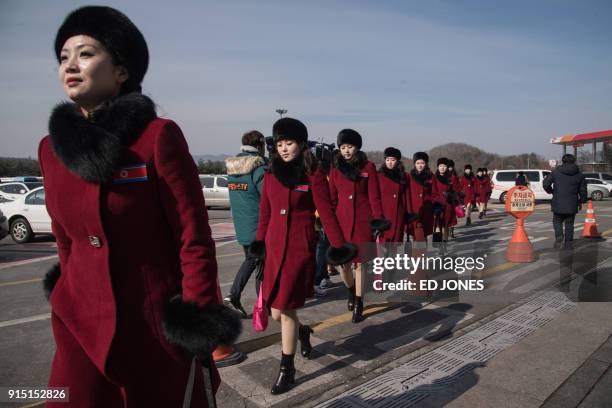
(568,187)
(245,179)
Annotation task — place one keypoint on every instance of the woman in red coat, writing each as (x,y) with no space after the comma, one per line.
(135,293)
(456,182)
(355,195)
(420,184)
(468,185)
(489,189)
(483,189)
(292,190)
(444,197)
(394,192)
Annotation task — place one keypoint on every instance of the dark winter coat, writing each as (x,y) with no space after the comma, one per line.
(568,186)
(443,193)
(132,232)
(421,201)
(355,196)
(245,180)
(482,188)
(287,224)
(394,194)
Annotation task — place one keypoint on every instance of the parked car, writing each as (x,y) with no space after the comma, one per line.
(214,187)
(607,178)
(4,229)
(503,180)
(14,190)
(597,189)
(27,216)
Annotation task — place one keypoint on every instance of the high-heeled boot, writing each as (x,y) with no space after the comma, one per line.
(286,375)
(358,310)
(304,332)
(350,303)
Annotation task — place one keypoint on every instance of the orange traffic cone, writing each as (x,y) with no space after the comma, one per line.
(590,224)
(520,248)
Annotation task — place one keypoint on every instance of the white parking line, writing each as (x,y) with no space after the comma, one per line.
(26,262)
(25,320)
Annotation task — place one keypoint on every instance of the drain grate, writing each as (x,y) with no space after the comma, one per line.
(414,381)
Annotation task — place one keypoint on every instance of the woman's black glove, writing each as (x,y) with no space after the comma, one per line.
(438,208)
(257,250)
(409,217)
(379,225)
(341,255)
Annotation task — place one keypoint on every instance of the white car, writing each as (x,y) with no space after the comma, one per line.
(216,192)
(503,180)
(3,225)
(14,190)
(27,216)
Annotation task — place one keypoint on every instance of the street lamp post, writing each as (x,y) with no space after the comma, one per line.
(281,112)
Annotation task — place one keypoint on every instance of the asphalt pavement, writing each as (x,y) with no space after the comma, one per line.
(457,349)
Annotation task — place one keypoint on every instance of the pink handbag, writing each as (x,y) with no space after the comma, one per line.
(459,211)
(260,313)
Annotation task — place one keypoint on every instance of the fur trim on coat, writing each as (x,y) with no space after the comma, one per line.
(91,147)
(341,255)
(395,174)
(50,279)
(421,177)
(200,329)
(239,165)
(289,173)
(350,169)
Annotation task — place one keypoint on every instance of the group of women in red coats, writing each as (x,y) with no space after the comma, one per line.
(357,205)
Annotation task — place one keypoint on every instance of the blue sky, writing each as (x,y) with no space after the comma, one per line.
(504,76)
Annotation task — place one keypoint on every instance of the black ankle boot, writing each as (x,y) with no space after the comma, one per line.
(350,304)
(286,375)
(304,337)
(480,215)
(468,222)
(358,311)
(452,232)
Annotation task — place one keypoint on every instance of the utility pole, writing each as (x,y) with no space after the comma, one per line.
(281,112)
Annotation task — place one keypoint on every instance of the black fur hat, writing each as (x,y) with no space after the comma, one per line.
(443,160)
(289,129)
(420,156)
(349,136)
(116,32)
(451,163)
(467,166)
(393,152)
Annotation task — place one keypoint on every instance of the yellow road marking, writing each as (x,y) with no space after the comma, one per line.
(606,232)
(20,282)
(36,404)
(347,317)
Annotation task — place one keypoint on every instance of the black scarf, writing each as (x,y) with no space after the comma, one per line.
(396,174)
(91,147)
(350,169)
(290,173)
(422,177)
(443,178)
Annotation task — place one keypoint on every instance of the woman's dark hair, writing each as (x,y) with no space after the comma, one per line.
(253,138)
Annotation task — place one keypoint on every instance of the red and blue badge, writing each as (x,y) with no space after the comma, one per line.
(303,188)
(364,174)
(130,174)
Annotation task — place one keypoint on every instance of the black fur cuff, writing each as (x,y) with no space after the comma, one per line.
(380,224)
(200,329)
(341,255)
(50,279)
(411,217)
(257,249)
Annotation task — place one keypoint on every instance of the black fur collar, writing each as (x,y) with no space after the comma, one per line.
(422,177)
(91,147)
(289,173)
(481,178)
(443,178)
(470,176)
(395,174)
(351,169)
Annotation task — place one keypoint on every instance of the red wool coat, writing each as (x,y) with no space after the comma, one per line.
(395,199)
(125,249)
(421,203)
(468,186)
(356,203)
(287,225)
(445,195)
(483,188)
